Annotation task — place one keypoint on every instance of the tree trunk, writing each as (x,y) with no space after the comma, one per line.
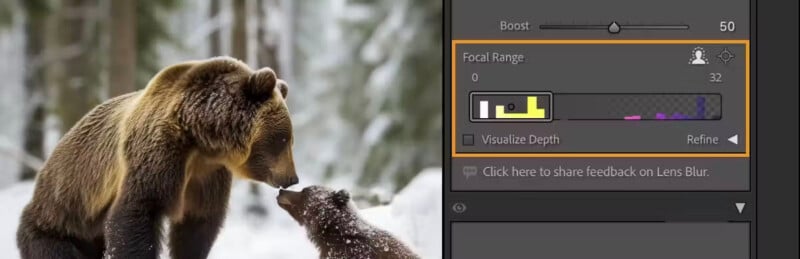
(33,142)
(239,35)
(215,47)
(122,76)
(79,74)
(266,52)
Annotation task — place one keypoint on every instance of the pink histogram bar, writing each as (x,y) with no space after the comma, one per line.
(701,109)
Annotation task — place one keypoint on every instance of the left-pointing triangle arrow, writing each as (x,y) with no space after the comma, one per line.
(734,139)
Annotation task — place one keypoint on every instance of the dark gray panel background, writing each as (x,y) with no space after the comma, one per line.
(656,206)
(726,174)
(480,19)
(653,68)
(517,240)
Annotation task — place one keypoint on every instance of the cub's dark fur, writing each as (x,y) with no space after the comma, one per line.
(335,228)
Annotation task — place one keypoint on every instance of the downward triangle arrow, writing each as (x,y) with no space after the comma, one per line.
(740,207)
(734,139)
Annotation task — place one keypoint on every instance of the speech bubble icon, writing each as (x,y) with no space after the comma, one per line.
(470,171)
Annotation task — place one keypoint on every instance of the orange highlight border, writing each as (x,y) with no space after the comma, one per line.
(746,44)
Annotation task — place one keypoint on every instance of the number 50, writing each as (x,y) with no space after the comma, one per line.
(727,26)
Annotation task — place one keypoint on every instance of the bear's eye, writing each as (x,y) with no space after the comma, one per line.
(283,140)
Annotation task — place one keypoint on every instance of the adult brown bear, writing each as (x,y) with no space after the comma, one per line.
(169,150)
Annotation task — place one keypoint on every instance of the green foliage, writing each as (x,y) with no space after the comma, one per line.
(151,29)
(36,9)
(413,141)
(6,13)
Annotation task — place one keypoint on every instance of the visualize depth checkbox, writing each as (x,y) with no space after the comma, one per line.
(468,140)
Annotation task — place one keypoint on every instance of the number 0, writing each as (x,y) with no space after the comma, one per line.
(474,77)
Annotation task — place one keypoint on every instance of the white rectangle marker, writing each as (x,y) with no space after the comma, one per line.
(484,110)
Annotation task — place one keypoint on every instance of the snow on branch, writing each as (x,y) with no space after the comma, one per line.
(8,150)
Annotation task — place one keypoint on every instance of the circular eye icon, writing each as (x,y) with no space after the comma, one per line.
(459,207)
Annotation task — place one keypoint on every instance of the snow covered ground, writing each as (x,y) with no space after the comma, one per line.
(414,216)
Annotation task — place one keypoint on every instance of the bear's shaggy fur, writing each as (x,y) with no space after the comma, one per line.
(167,151)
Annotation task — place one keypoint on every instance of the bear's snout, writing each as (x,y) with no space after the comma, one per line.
(284,180)
(291,180)
(282,172)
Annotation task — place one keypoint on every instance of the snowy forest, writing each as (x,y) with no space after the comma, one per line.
(364,76)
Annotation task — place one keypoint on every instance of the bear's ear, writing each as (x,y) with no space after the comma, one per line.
(173,73)
(284,88)
(341,197)
(261,84)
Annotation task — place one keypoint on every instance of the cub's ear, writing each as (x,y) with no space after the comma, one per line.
(341,197)
(261,84)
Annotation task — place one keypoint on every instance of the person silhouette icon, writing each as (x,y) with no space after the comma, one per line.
(698,57)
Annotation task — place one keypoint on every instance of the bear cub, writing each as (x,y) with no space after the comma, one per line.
(334,226)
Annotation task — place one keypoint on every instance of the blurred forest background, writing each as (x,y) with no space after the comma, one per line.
(364,76)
